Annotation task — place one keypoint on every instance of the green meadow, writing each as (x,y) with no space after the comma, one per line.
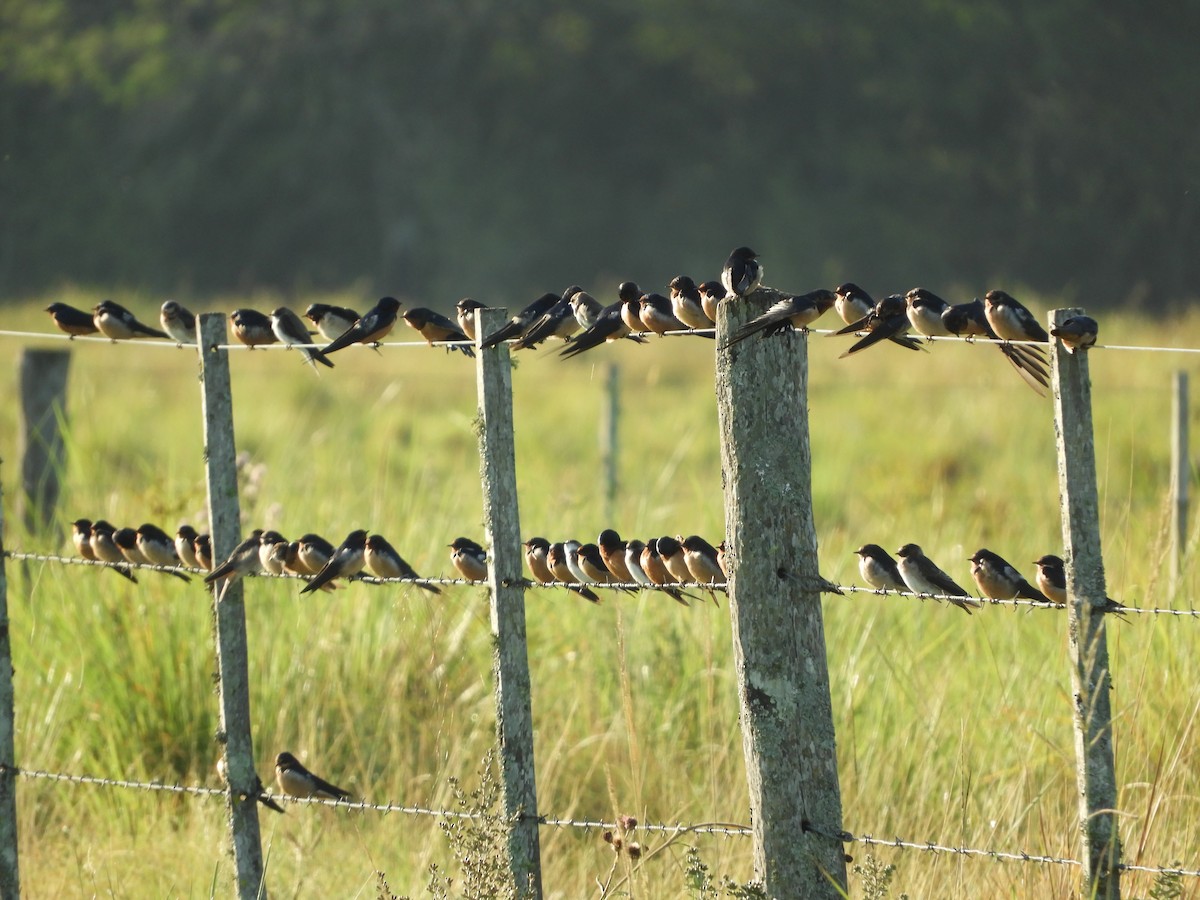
(951,729)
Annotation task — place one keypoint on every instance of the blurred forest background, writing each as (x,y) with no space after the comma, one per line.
(499,149)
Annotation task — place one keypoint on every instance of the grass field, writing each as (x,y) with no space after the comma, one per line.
(950,729)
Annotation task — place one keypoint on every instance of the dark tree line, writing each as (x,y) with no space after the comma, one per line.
(500,149)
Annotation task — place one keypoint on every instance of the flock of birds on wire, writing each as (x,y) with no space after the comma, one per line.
(582,322)
(668,563)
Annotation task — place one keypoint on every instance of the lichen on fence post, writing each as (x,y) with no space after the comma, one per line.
(1091,676)
(224,515)
(775,604)
(10,881)
(510,659)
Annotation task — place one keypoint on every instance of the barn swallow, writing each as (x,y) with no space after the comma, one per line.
(1052,579)
(742,272)
(295,565)
(258,792)
(202,546)
(556,561)
(922,576)
(586,308)
(536,549)
(563,560)
(346,562)
(276,558)
(116,322)
(631,315)
(296,781)
(970,320)
(271,562)
(252,328)
(612,553)
(371,328)
(656,571)
(610,326)
(852,303)
(103,546)
(126,540)
(185,547)
(1077,332)
(158,547)
(633,562)
(464,312)
(558,321)
(687,304)
(722,558)
(244,560)
(701,559)
(571,553)
(888,319)
(1011,320)
(314,552)
(792,313)
(656,314)
(519,323)
(331,321)
(382,559)
(711,295)
(178,321)
(924,309)
(436,327)
(878,569)
(291,331)
(81,537)
(996,578)
(670,550)
(469,558)
(72,321)
(594,567)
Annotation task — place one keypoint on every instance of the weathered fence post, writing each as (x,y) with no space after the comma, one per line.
(43,379)
(775,605)
(609,423)
(1180,475)
(10,881)
(1091,677)
(224,516)
(510,659)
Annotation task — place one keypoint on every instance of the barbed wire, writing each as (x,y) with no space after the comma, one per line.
(158,342)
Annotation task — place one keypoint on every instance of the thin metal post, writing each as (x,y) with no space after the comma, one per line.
(1180,475)
(43,387)
(510,659)
(609,423)
(1091,676)
(775,604)
(224,515)
(10,880)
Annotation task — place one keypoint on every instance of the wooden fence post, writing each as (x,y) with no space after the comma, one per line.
(775,605)
(609,424)
(43,379)
(224,516)
(1181,471)
(1091,677)
(510,659)
(10,881)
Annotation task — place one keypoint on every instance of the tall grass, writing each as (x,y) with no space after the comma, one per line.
(950,728)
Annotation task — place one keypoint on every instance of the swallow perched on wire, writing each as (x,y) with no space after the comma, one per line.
(924,577)
(687,303)
(258,792)
(701,559)
(631,315)
(711,295)
(81,537)
(271,562)
(72,321)
(586,309)
(292,331)
(158,547)
(464,313)
(469,558)
(970,320)
(878,569)
(593,566)
(609,326)
(633,562)
(127,542)
(185,546)
(116,322)
(314,552)
(435,327)
(178,321)
(519,323)
(742,273)
(612,554)
(252,328)
(996,578)
(852,303)
(105,549)
(888,319)
(371,328)
(1011,320)
(536,549)
(1052,579)
(202,546)
(670,551)
(296,781)
(924,310)
(331,321)
(1077,332)
(656,570)
(791,313)
(347,561)
(558,321)
(383,560)
(563,560)
(656,314)
(244,560)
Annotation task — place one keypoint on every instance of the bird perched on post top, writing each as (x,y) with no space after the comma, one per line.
(742,272)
